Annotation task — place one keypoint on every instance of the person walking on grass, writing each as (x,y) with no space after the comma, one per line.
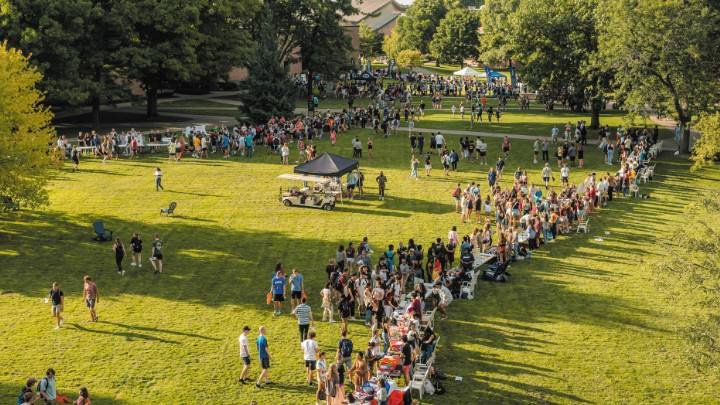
(414,163)
(277,287)
(119,249)
(244,354)
(345,349)
(297,286)
(303,313)
(91,296)
(156,255)
(75,157)
(310,348)
(565,175)
(136,244)
(536,150)
(546,175)
(158,179)
(381,181)
(57,299)
(264,354)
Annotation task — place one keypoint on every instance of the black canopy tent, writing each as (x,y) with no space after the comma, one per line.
(329,165)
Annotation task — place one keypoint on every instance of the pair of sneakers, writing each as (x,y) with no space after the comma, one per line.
(133,264)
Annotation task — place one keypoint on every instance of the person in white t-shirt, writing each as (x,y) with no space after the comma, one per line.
(565,174)
(244,354)
(310,349)
(285,153)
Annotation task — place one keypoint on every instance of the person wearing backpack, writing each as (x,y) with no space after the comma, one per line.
(26,394)
(345,349)
(47,387)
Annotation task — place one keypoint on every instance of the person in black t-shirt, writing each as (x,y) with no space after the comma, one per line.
(136,244)
(407,358)
(58,300)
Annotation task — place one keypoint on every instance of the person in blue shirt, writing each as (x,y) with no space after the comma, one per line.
(249,144)
(264,353)
(277,288)
(226,146)
(390,258)
(296,287)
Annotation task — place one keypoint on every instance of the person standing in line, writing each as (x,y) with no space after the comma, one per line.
(546,175)
(47,387)
(499,167)
(360,182)
(303,313)
(58,301)
(244,354)
(327,305)
(277,287)
(421,143)
(297,286)
(536,150)
(345,349)
(381,181)
(285,154)
(91,296)
(414,163)
(264,354)
(545,154)
(119,250)
(156,256)
(136,244)
(158,179)
(310,348)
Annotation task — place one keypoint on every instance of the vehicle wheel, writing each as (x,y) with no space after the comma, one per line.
(327,207)
(287,203)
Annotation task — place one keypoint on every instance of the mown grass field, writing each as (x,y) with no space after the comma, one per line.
(581,322)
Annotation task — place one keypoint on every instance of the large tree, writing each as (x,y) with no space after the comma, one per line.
(311,32)
(456,39)
(371,41)
(707,148)
(267,91)
(417,27)
(26,134)
(666,54)
(495,21)
(74,43)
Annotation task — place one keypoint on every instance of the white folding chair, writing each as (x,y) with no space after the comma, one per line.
(583,225)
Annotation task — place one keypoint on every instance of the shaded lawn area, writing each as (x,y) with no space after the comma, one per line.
(581,322)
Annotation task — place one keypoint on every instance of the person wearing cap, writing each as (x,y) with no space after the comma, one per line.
(244,354)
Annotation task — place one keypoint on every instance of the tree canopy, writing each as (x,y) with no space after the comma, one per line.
(417,27)
(707,148)
(26,134)
(666,55)
(409,58)
(456,38)
(371,42)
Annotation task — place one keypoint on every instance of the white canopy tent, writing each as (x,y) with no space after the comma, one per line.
(467,71)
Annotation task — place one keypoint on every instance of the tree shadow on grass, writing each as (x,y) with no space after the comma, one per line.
(159,330)
(129,336)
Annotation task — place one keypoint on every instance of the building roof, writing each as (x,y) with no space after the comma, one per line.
(366,7)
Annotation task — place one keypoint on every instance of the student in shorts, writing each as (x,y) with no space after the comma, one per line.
(136,245)
(310,349)
(156,258)
(264,354)
(277,287)
(91,296)
(297,286)
(58,301)
(244,354)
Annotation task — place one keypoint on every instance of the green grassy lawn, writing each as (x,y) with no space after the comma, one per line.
(528,122)
(581,322)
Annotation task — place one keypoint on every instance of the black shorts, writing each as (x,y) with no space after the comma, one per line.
(265,362)
(158,256)
(245,360)
(296,294)
(310,364)
(483,153)
(580,154)
(278,297)
(137,251)
(351,186)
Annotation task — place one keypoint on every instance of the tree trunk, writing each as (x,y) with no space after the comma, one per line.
(310,105)
(151,99)
(684,146)
(596,107)
(96,113)
(437,62)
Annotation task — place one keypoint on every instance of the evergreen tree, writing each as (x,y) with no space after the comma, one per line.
(267,91)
